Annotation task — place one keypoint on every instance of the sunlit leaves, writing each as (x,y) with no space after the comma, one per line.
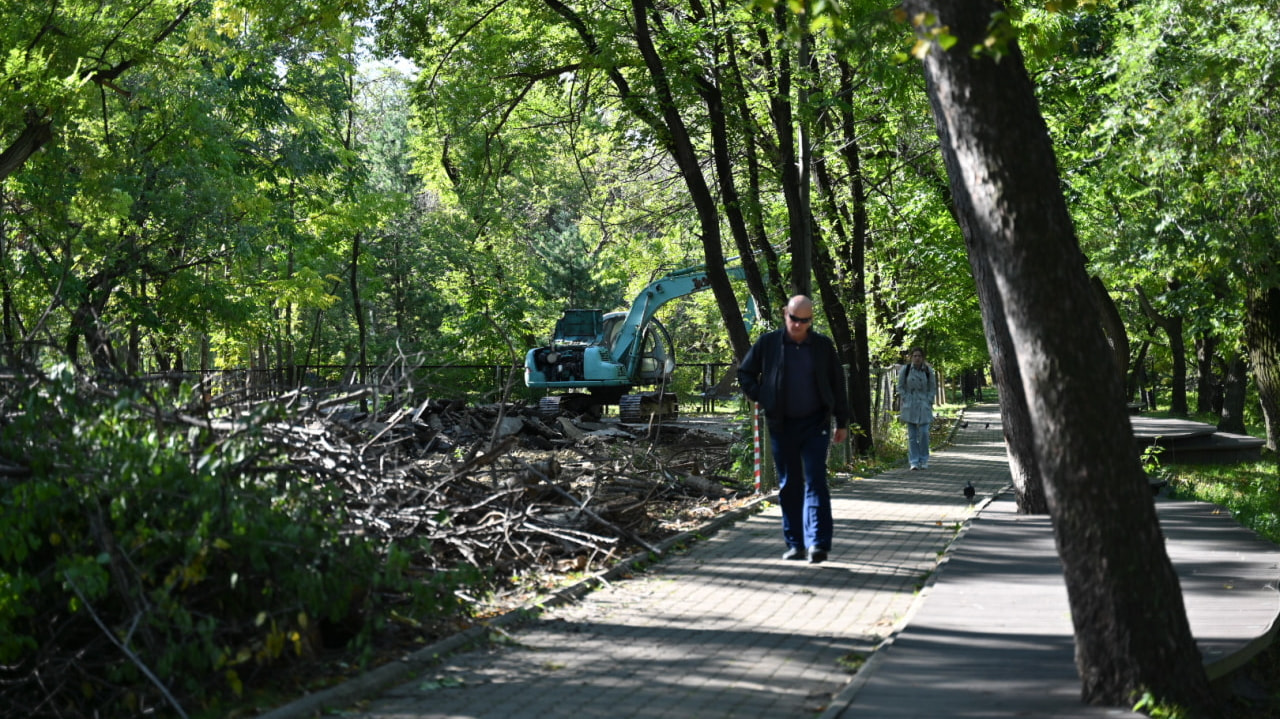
(1162,113)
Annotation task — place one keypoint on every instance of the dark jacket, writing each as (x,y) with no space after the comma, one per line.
(760,376)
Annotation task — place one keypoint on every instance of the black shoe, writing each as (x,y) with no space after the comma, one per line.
(817,555)
(793,553)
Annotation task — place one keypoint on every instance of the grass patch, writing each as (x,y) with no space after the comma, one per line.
(852,662)
(1250,491)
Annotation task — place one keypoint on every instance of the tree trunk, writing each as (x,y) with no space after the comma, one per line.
(1130,624)
(1113,325)
(1262,335)
(722,154)
(1234,386)
(858,377)
(1206,380)
(36,133)
(854,256)
(1138,377)
(789,161)
(1015,418)
(670,128)
(681,148)
(1028,483)
(357,307)
(85,323)
(754,141)
(1206,352)
(850,335)
(1172,326)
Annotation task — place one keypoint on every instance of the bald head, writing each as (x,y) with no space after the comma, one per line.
(799,303)
(799,317)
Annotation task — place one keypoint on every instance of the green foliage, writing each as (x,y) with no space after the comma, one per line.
(568,272)
(1251,491)
(852,661)
(197,559)
(1161,136)
(742,452)
(1151,706)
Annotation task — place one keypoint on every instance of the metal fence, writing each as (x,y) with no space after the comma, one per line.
(478,383)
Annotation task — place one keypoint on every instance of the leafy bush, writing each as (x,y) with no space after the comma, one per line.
(143,564)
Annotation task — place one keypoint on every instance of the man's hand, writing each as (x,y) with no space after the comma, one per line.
(841,435)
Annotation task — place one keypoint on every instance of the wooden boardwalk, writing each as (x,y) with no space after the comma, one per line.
(993,638)
(1188,441)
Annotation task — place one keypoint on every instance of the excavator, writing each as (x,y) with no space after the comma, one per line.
(597,358)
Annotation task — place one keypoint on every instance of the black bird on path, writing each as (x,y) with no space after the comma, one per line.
(969,491)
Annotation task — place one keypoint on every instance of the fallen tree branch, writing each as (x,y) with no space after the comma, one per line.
(127,652)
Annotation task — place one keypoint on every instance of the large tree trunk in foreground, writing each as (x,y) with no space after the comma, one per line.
(1130,624)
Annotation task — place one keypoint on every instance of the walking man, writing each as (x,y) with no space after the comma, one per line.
(795,375)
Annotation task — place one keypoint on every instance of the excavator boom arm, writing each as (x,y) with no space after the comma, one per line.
(657,293)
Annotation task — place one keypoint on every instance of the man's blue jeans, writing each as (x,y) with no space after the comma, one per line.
(800,454)
(918,444)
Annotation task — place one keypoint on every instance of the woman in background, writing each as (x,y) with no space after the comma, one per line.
(917,385)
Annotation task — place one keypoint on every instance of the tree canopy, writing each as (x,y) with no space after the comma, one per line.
(306,193)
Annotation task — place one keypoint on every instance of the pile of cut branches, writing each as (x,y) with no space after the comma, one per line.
(493,486)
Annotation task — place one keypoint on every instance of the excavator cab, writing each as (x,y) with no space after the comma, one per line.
(580,327)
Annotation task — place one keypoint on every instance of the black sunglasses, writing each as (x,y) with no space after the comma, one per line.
(800,320)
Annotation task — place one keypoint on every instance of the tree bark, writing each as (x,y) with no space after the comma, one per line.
(1028,483)
(1138,377)
(1015,417)
(853,255)
(1235,382)
(754,143)
(713,97)
(671,130)
(1132,634)
(1172,326)
(858,376)
(36,133)
(1113,325)
(357,308)
(838,295)
(1206,352)
(1262,335)
(789,161)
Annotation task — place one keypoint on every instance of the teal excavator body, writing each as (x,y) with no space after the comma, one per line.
(597,358)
